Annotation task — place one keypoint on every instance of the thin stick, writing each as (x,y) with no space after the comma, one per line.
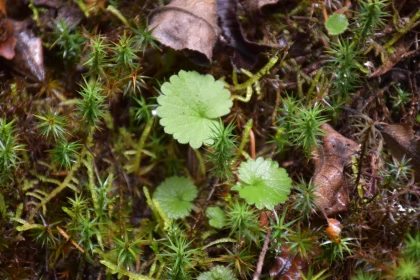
(252,142)
(140,145)
(261,258)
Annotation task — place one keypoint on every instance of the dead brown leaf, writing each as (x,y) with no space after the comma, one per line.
(253,6)
(187,25)
(246,54)
(287,265)
(328,179)
(29,58)
(7,41)
(402,142)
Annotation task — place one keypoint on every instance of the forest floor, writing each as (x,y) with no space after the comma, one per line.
(205,139)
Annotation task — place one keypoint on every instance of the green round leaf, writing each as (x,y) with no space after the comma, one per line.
(336,24)
(190,105)
(263,183)
(175,195)
(216,217)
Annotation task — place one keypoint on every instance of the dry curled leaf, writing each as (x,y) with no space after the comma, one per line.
(187,25)
(286,265)
(29,58)
(255,6)
(60,10)
(402,142)
(7,41)
(245,52)
(329,180)
(262,3)
(334,230)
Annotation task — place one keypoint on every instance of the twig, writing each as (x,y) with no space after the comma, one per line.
(255,78)
(245,139)
(261,258)
(137,159)
(252,143)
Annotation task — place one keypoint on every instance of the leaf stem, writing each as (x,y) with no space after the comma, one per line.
(58,189)
(245,139)
(404,30)
(252,142)
(200,161)
(118,14)
(140,145)
(91,184)
(253,79)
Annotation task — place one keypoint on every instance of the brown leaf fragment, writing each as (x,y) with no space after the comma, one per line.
(7,41)
(265,219)
(29,58)
(246,53)
(7,48)
(49,3)
(262,3)
(329,181)
(287,266)
(60,10)
(255,6)
(187,25)
(402,142)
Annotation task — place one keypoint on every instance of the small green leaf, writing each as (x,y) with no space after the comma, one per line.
(216,217)
(336,24)
(216,273)
(190,106)
(175,195)
(263,183)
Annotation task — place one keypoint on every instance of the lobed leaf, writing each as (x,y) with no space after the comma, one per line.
(190,105)
(175,195)
(217,217)
(263,183)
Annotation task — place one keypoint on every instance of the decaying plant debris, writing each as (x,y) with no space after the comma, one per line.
(29,58)
(187,25)
(7,41)
(403,143)
(209,139)
(331,188)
